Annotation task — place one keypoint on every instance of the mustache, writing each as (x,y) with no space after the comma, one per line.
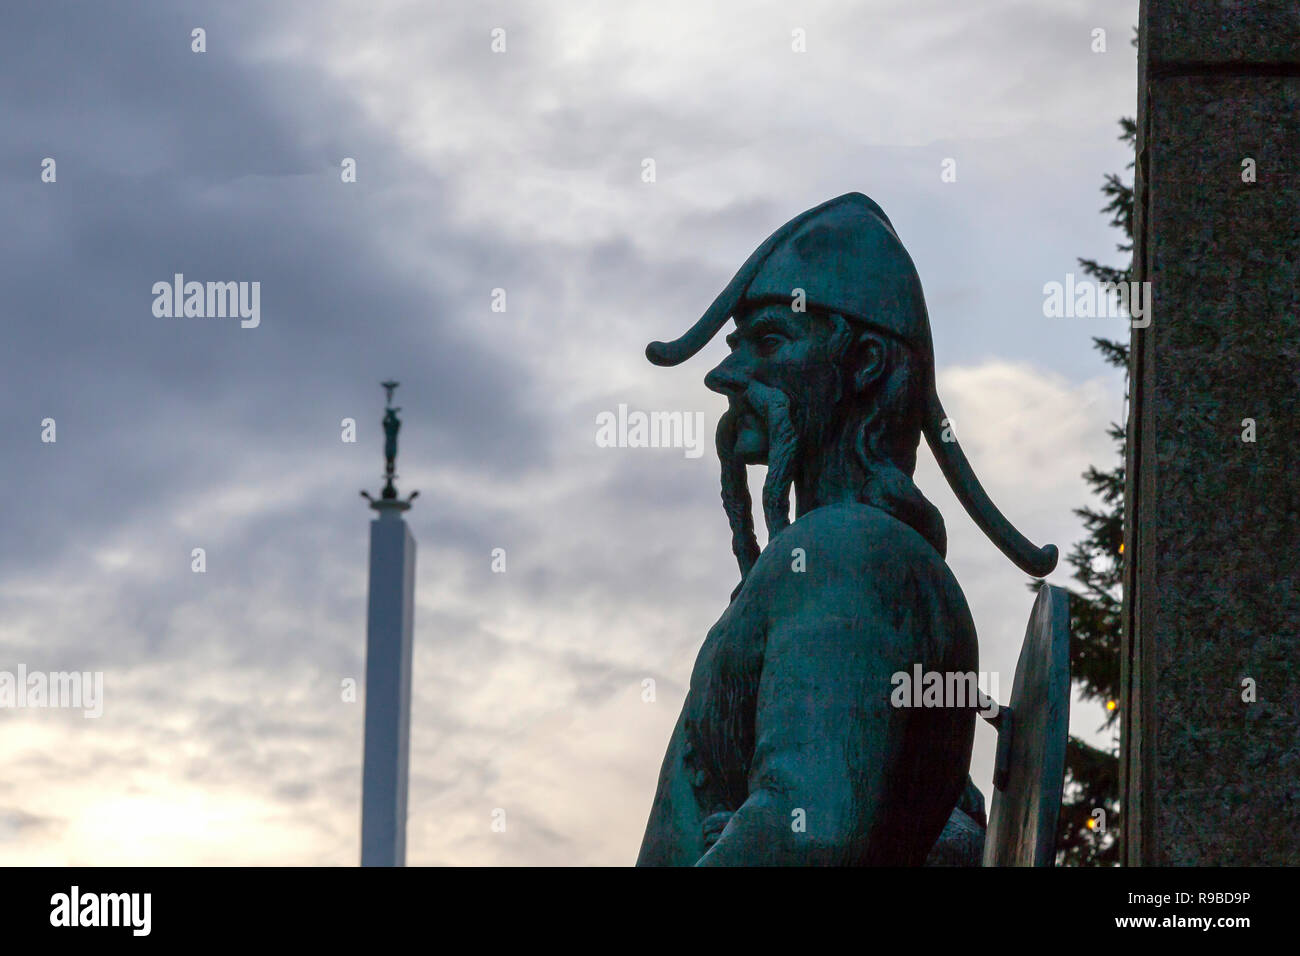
(759,401)
(738,408)
(736,501)
(771,407)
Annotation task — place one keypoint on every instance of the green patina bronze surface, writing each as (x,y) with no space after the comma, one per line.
(788,749)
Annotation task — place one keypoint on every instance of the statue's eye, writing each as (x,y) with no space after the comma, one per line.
(770,343)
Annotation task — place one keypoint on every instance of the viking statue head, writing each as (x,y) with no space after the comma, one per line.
(830,381)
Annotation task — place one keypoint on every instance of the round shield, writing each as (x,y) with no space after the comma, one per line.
(1027,799)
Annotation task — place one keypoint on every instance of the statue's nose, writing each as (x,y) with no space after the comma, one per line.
(731,377)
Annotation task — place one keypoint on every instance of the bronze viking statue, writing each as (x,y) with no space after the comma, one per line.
(788,749)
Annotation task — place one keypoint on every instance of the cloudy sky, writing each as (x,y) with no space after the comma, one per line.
(225,738)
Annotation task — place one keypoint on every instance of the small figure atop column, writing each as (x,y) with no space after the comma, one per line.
(392,425)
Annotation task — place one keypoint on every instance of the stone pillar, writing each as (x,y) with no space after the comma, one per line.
(1212,598)
(389,624)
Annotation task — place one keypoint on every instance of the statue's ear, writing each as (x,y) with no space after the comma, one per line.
(871,353)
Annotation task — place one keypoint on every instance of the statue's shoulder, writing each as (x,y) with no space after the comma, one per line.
(859,564)
(855,553)
(858,534)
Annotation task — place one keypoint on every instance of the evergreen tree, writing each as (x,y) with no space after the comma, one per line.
(1092,774)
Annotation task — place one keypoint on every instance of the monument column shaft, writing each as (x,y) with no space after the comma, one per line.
(1212,592)
(389,626)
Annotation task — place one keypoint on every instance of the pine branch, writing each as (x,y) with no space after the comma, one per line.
(1096,609)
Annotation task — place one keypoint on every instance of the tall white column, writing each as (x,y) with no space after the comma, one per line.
(389,625)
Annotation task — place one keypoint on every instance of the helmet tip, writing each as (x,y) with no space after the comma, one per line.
(657,353)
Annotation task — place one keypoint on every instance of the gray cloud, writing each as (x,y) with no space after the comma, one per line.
(475,172)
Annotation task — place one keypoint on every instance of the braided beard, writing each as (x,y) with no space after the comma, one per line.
(773,408)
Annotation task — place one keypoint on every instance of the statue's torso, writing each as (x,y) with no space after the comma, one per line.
(707,765)
(718,716)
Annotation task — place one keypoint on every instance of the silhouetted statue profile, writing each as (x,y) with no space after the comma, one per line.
(788,750)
